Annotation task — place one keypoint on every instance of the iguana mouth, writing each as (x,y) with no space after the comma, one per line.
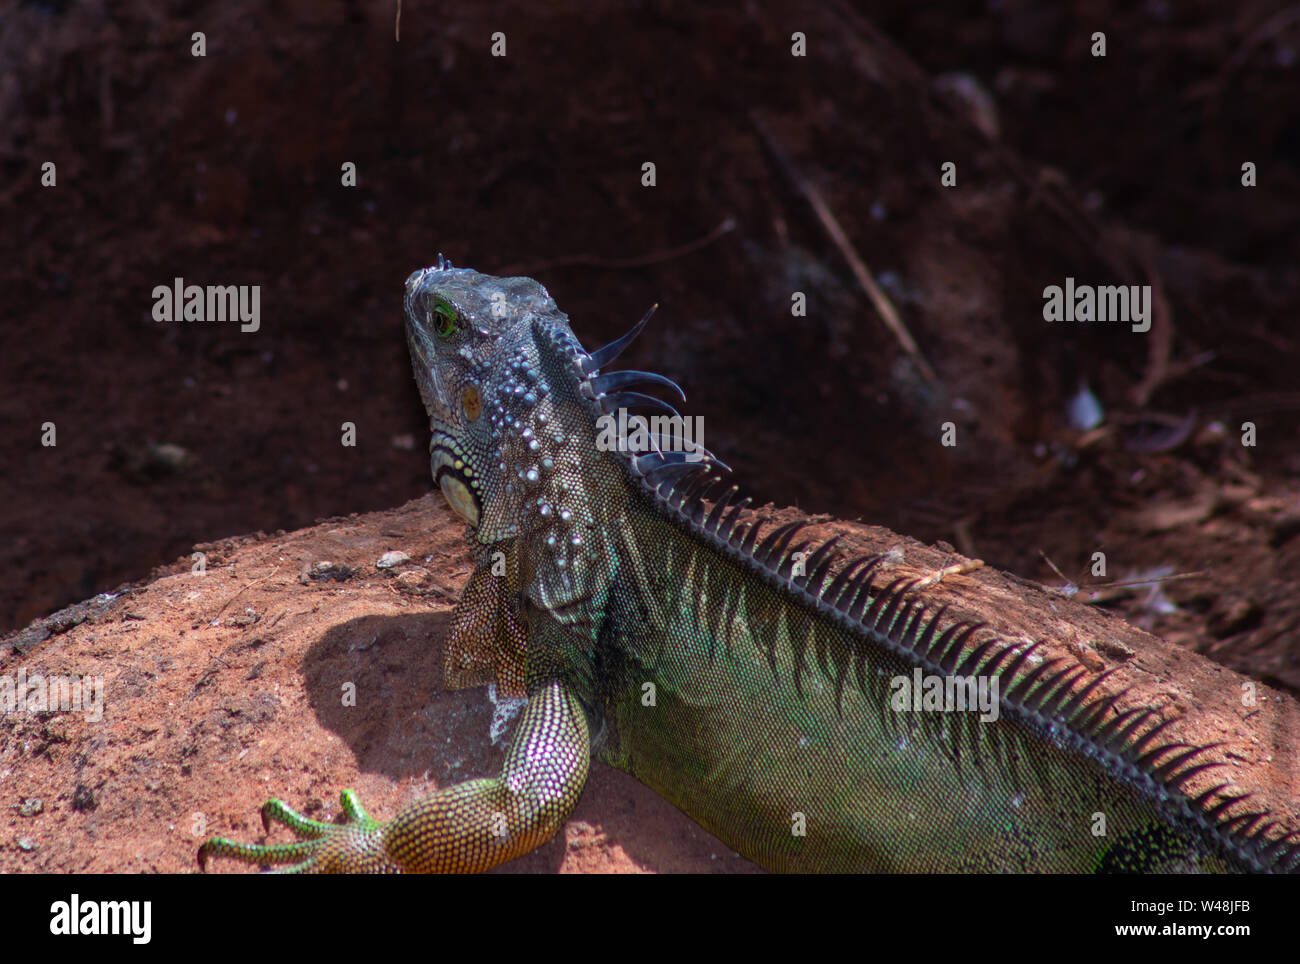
(422,363)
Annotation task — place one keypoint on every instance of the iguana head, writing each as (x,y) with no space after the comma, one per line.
(518,409)
(477,365)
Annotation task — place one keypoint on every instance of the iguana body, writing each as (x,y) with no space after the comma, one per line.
(744,678)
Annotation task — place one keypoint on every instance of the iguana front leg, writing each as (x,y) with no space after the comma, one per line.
(469,827)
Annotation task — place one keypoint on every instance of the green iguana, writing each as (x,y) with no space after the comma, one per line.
(752,681)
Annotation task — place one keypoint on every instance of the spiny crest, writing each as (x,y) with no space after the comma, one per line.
(664,467)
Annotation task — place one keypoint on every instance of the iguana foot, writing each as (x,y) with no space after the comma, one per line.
(356,846)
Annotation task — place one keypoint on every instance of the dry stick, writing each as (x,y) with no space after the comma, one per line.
(250,585)
(1060,575)
(957,569)
(729,224)
(1121,584)
(884,306)
(397,24)
(1104,592)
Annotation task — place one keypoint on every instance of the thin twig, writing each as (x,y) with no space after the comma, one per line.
(1069,583)
(246,586)
(957,569)
(1152,581)
(1071,587)
(590,261)
(884,307)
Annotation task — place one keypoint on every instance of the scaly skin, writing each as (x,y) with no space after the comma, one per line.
(747,680)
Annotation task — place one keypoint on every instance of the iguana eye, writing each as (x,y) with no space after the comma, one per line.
(444,318)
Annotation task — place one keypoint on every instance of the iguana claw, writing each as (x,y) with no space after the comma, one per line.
(353,846)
